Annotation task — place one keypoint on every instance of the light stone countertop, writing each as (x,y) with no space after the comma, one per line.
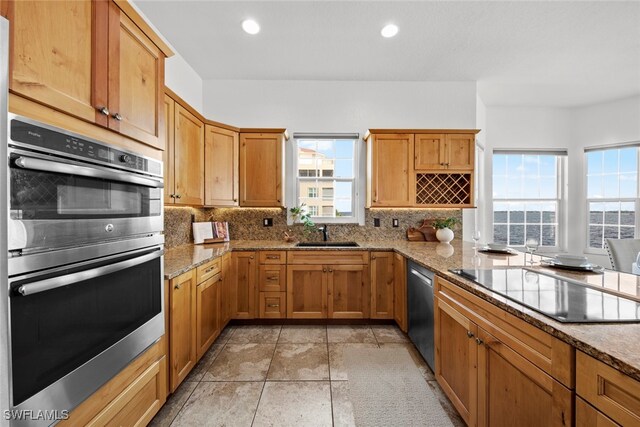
(617,345)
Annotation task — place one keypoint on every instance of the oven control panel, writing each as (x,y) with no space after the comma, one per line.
(61,142)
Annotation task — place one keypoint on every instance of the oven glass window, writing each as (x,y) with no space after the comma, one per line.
(47,195)
(54,332)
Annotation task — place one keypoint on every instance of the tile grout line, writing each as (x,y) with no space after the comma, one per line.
(333,418)
(264,383)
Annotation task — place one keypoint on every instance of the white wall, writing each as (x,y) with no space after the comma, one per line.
(183,80)
(574,129)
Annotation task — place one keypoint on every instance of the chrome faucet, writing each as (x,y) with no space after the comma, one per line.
(325,232)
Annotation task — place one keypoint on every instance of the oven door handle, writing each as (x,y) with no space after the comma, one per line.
(69,279)
(49,166)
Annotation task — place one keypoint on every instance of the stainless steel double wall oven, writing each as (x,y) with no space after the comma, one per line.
(85,263)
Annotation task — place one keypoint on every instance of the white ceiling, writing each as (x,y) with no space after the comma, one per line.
(521,53)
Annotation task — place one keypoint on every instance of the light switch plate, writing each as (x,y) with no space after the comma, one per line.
(396,223)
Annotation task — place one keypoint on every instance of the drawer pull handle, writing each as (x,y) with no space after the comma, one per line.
(273,256)
(209,269)
(272,278)
(273,305)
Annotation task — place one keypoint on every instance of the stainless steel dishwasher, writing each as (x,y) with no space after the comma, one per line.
(420,304)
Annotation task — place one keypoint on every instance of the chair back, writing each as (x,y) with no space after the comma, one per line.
(622,253)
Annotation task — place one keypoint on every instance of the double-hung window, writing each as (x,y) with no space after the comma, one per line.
(326,171)
(612,194)
(527,197)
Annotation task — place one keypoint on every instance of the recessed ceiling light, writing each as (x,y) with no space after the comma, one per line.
(250,26)
(389,30)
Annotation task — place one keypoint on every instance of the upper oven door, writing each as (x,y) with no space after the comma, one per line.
(56,202)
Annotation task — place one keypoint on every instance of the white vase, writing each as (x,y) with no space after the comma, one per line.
(444,235)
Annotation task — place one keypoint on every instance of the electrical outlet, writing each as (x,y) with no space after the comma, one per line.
(396,223)
(193,217)
(376,222)
(267,222)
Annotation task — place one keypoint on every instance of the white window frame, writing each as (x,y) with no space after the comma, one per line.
(315,192)
(635,200)
(357,181)
(560,199)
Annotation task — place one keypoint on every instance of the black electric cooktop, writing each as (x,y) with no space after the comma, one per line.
(559,299)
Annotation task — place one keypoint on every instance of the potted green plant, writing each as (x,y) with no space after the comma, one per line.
(444,228)
(300,215)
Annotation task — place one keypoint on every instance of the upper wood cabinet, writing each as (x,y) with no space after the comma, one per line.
(95,60)
(261,169)
(221,177)
(382,285)
(168,155)
(188,158)
(420,168)
(391,171)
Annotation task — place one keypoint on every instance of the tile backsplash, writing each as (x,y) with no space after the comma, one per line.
(246,224)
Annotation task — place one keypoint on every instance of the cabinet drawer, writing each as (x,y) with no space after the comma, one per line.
(273,305)
(272,278)
(588,416)
(553,356)
(328,257)
(273,257)
(139,402)
(208,270)
(609,390)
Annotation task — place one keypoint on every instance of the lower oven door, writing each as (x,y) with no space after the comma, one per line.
(74,328)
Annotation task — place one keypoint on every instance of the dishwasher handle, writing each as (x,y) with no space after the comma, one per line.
(426,279)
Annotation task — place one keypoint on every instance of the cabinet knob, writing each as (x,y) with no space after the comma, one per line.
(331,270)
(177,196)
(324,270)
(117,116)
(479,341)
(235,200)
(103,110)
(470,334)
(176,287)
(373,257)
(251,257)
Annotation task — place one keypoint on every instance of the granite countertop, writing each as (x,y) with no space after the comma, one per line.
(615,344)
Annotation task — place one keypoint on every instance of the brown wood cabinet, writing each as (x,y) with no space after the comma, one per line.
(244,297)
(588,416)
(182,320)
(221,162)
(400,291)
(348,291)
(208,319)
(261,169)
(306,291)
(495,368)
(188,162)
(168,155)
(273,305)
(226,294)
(391,171)
(95,60)
(422,168)
(382,285)
(614,394)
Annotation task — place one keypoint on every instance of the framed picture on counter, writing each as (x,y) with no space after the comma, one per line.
(221,230)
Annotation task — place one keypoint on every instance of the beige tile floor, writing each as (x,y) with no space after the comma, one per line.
(281,376)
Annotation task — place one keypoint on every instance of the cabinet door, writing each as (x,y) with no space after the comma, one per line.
(221,179)
(392,170)
(588,416)
(226,294)
(400,291)
(168,155)
(348,294)
(513,391)
(261,169)
(382,285)
(244,285)
(136,81)
(430,151)
(306,292)
(54,45)
(189,157)
(456,357)
(208,313)
(183,331)
(460,151)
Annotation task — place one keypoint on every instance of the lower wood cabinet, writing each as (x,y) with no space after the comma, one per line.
(273,305)
(243,272)
(207,313)
(348,291)
(182,321)
(306,292)
(226,294)
(382,285)
(614,394)
(489,376)
(400,292)
(588,416)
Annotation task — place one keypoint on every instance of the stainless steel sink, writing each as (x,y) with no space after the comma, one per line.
(327,244)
